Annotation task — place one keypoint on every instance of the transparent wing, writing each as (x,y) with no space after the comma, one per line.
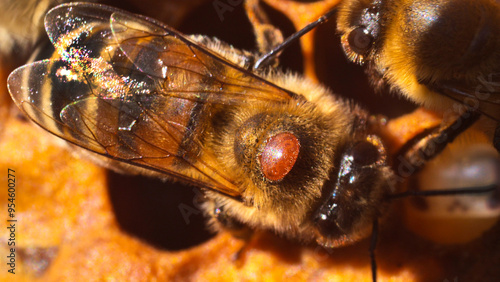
(161,58)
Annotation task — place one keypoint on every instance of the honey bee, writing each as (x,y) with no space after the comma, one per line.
(270,150)
(444,55)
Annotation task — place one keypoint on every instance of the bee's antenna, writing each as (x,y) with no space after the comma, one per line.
(373,245)
(266,57)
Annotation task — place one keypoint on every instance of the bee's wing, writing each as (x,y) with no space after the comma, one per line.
(146,132)
(159,55)
(99,92)
(153,42)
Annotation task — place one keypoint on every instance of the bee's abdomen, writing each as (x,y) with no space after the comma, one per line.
(451,37)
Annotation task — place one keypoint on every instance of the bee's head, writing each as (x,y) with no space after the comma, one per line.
(354,195)
(359,23)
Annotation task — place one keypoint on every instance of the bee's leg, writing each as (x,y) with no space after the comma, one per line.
(373,246)
(424,147)
(228,223)
(267,35)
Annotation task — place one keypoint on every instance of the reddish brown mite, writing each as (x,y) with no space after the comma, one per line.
(279,155)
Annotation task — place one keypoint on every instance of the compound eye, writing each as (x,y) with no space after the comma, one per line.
(359,41)
(279,155)
(365,153)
